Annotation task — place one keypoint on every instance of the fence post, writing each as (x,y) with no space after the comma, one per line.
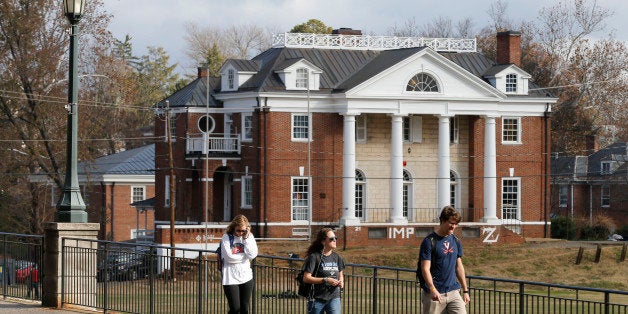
(151,278)
(105,277)
(579,257)
(201,282)
(374,302)
(5,269)
(521,298)
(598,253)
(623,253)
(254,293)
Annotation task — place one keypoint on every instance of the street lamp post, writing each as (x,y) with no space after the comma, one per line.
(71,207)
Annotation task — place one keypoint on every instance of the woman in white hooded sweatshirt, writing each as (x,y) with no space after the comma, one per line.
(237,275)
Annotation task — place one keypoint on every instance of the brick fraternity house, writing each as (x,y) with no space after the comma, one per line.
(369,134)
(109,186)
(586,186)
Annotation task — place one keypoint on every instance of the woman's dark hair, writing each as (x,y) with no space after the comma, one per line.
(449,212)
(317,244)
(238,221)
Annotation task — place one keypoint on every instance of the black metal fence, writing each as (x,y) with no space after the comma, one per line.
(151,279)
(21,267)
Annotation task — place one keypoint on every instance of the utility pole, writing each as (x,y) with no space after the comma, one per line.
(172,187)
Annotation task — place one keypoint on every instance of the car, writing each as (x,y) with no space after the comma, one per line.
(126,266)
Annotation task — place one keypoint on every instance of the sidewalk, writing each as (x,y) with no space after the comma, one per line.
(12,305)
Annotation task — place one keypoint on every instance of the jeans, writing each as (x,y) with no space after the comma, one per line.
(319,306)
(238,297)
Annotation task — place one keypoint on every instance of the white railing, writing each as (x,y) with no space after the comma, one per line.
(217,144)
(367,42)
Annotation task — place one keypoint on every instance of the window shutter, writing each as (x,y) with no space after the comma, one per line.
(417,129)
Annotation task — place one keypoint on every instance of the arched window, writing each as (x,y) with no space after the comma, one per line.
(360,193)
(454,190)
(422,82)
(407,194)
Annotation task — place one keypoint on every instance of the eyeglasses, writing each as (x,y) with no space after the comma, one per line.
(332,239)
(240,231)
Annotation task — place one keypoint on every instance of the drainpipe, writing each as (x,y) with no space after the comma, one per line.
(113,185)
(546,161)
(263,116)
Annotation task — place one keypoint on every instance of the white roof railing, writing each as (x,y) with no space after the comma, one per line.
(367,42)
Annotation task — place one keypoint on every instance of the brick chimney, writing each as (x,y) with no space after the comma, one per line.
(203,72)
(346,31)
(509,48)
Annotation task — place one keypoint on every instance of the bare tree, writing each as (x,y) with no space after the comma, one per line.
(207,45)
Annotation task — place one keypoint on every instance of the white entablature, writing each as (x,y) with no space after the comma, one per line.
(367,42)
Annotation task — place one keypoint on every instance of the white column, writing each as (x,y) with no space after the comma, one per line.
(348,172)
(444,162)
(490,171)
(396,171)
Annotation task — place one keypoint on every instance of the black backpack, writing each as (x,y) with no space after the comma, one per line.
(306,289)
(419,273)
(219,261)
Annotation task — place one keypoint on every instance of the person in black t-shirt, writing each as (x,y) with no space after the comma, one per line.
(324,269)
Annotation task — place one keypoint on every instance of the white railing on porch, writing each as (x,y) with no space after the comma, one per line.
(215,144)
(367,42)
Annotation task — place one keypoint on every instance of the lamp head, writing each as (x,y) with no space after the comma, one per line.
(73,9)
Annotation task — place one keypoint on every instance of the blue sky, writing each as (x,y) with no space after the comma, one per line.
(161,23)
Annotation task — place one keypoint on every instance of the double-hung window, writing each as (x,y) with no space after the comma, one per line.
(300,127)
(511,130)
(247,192)
(511,196)
(247,127)
(300,199)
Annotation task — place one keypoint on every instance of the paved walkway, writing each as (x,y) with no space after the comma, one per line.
(11,305)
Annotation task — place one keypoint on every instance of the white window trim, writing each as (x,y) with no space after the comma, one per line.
(244,181)
(561,196)
(519,128)
(606,171)
(607,189)
(361,128)
(244,127)
(143,187)
(305,80)
(363,184)
(309,127)
(518,207)
(292,207)
(410,197)
(415,127)
(167,191)
(454,123)
(516,83)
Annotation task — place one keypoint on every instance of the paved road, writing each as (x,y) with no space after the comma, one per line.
(14,306)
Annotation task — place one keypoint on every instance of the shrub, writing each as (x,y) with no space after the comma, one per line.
(563,228)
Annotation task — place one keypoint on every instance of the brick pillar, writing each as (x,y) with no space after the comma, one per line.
(80,287)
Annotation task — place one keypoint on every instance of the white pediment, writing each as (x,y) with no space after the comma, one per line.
(453,81)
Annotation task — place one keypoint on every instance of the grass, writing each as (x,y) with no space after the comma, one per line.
(531,262)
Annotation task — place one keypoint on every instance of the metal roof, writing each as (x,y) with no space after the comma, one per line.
(137,161)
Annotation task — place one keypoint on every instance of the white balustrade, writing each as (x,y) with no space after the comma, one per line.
(367,42)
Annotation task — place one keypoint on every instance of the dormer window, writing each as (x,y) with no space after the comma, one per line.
(302,78)
(231,78)
(422,82)
(511,83)
(299,74)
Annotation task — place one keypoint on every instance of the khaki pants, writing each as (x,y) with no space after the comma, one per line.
(451,303)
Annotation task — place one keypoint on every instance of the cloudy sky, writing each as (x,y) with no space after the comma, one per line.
(161,22)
